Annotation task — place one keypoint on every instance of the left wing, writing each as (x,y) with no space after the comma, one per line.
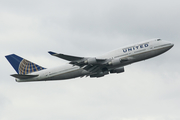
(66,57)
(86,63)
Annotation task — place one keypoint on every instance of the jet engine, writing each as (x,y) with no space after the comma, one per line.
(91,61)
(115,62)
(117,70)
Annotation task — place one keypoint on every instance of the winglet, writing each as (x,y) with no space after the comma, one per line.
(52,53)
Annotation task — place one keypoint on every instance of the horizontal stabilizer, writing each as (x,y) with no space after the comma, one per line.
(66,57)
(20,76)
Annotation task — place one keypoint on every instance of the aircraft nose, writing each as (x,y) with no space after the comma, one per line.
(171,44)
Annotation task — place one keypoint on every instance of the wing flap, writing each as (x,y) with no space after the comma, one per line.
(20,76)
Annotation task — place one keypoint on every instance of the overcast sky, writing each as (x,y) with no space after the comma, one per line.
(148,90)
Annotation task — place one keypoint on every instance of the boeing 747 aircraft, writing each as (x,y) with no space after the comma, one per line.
(111,62)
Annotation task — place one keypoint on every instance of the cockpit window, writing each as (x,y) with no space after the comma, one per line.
(158,39)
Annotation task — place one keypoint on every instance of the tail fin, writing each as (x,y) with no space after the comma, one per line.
(22,66)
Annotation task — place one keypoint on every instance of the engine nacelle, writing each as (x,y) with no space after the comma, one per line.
(91,61)
(117,70)
(115,62)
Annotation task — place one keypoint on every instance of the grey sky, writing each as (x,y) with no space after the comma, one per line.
(148,90)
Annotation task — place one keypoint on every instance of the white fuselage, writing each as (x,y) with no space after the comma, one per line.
(133,53)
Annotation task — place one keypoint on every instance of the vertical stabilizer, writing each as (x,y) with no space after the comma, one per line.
(22,66)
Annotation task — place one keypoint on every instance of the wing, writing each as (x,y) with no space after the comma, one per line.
(66,57)
(87,63)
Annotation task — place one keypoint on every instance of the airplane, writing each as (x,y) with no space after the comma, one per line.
(111,62)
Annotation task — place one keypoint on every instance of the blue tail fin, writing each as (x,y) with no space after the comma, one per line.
(22,66)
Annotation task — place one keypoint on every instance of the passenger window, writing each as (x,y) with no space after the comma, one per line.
(158,39)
